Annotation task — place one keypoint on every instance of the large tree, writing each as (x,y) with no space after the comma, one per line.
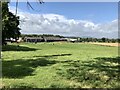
(10,24)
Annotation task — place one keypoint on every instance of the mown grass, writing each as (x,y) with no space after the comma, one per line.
(60,65)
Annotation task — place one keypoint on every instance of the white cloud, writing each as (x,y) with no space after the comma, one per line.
(59,24)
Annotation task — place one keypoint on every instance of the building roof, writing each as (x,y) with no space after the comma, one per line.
(52,38)
(33,38)
(46,38)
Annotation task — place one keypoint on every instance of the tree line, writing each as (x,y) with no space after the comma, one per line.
(107,40)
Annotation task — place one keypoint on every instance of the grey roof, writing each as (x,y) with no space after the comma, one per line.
(52,38)
(46,38)
(33,38)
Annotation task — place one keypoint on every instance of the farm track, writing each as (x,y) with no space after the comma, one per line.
(108,44)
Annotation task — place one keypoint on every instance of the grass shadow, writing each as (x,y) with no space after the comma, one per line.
(50,56)
(25,67)
(109,59)
(21,68)
(17,48)
(111,69)
(94,73)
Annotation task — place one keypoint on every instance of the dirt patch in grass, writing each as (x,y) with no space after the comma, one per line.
(108,44)
(1,86)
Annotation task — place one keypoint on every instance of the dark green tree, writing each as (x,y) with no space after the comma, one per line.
(103,39)
(10,24)
(10,21)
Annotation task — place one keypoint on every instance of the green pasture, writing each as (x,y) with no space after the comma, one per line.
(60,65)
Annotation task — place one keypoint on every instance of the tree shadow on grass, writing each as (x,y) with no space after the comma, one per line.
(111,66)
(96,73)
(24,67)
(17,48)
(112,69)
(20,68)
(50,56)
(109,59)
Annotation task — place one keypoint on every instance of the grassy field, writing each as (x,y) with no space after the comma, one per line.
(60,65)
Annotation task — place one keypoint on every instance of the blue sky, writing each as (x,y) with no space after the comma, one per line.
(98,12)
(91,19)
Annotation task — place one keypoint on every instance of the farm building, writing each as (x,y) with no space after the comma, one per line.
(33,39)
(43,39)
(71,40)
(53,39)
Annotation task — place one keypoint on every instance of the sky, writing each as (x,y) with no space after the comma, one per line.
(84,19)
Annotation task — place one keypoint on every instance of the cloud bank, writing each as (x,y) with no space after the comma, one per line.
(61,25)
